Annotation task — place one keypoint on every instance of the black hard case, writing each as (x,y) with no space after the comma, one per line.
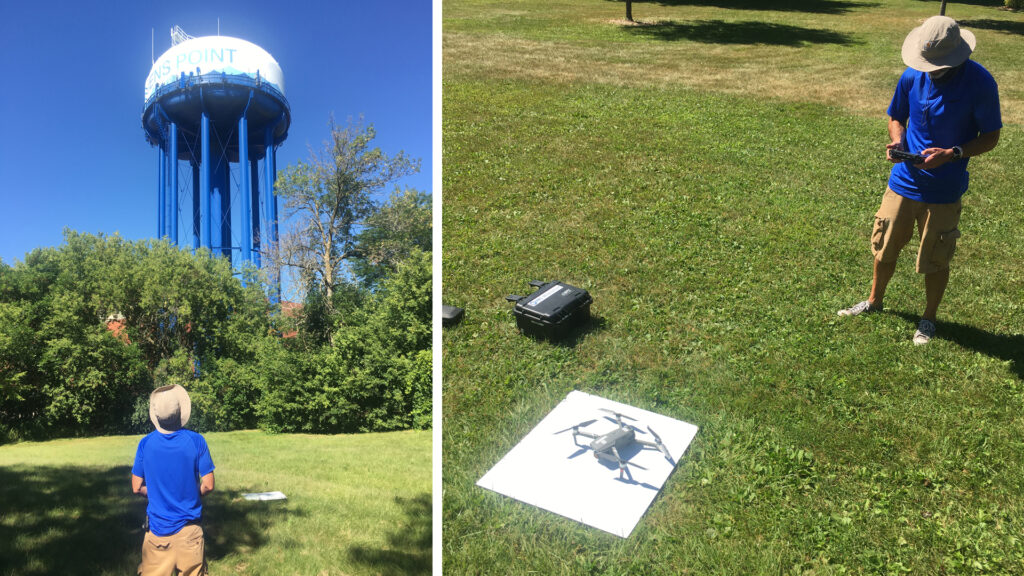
(451,315)
(553,310)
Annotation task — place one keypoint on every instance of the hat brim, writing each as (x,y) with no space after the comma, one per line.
(183,401)
(912,55)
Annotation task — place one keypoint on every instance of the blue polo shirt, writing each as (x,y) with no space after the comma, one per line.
(172,464)
(942,115)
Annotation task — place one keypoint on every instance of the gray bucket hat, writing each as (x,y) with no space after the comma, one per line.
(169,408)
(938,43)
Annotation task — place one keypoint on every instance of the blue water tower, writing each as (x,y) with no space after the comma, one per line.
(216,112)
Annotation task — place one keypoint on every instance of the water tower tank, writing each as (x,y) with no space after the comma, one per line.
(216,111)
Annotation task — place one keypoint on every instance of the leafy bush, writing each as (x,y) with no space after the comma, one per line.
(1014,4)
(64,372)
(226,397)
(361,364)
(375,376)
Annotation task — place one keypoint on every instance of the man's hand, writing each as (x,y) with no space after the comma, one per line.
(894,145)
(897,134)
(934,157)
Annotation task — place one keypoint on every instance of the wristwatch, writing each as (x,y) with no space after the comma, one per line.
(958,152)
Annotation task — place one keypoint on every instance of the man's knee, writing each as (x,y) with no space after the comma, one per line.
(888,237)
(937,249)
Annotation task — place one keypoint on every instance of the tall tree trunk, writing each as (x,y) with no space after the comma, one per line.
(942,9)
(629,10)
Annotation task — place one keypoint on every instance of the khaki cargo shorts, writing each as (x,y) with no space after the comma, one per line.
(894,227)
(184,551)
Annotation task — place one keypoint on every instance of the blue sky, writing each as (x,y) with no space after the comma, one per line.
(72,149)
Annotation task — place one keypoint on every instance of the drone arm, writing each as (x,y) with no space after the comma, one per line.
(656,445)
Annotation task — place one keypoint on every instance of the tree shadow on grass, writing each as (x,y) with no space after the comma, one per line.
(721,32)
(85,520)
(951,6)
(232,524)
(1008,347)
(809,6)
(1006,26)
(408,549)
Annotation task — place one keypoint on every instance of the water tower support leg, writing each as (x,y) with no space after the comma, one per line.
(270,169)
(204,183)
(159,191)
(195,206)
(245,194)
(254,211)
(172,165)
(268,181)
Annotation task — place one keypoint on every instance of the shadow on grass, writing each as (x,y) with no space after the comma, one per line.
(83,520)
(720,32)
(1005,26)
(809,6)
(408,550)
(232,524)
(951,6)
(1008,347)
(574,336)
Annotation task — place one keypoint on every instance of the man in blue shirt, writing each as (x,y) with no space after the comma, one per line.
(946,109)
(173,469)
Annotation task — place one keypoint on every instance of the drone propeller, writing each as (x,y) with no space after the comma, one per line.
(659,443)
(580,425)
(617,414)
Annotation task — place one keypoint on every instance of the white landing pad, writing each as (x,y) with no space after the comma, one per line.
(549,470)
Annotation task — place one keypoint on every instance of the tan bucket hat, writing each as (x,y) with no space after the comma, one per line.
(938,43)
(169,408)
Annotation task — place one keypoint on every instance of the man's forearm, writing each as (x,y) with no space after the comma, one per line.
(206,484)
(139,486)
(896,130)
(983,143)
(936,157)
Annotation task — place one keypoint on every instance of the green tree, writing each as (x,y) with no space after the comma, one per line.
(330,197)
(401,225)
(63,371)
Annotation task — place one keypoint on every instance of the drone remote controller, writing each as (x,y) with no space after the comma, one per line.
(906,156)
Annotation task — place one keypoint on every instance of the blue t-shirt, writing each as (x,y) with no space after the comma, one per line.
(942,116)
(171,465)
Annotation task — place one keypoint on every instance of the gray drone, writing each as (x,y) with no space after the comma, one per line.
(606,446)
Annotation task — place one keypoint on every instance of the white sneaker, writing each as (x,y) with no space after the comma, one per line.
(925,332)
(858,309)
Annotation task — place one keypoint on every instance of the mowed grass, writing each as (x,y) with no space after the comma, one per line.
(719,229)
(357,504)
(842,52)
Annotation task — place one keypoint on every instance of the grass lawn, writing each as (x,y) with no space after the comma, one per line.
(710,177)
(356,504)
